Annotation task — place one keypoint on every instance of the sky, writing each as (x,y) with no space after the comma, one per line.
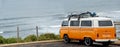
(37,7)
(92,5)
(12,8)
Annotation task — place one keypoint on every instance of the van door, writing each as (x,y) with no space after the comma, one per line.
(74,29)
(86,29)
(106,30)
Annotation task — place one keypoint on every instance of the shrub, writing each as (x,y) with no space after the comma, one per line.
(48,36)
(118,38)
(30,38)
(2,40)
(57,37)
(11,40)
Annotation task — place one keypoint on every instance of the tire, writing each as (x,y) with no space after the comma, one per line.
(106,44)
(88,41)
(66,39)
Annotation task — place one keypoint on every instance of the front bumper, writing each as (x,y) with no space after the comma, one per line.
(106,40)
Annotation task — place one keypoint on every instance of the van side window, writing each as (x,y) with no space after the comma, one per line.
(65,23)
(86,23)
(105,23)
(74,23)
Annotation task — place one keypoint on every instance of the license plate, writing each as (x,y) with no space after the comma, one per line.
(106,35)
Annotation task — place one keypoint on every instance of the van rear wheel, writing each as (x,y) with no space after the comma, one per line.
(88,41)
(66,39)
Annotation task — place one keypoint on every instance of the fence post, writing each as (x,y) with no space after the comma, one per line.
(17,34)
(37,32)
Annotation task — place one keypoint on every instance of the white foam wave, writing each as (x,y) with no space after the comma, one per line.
(116,11)
(54,26)
(1,32)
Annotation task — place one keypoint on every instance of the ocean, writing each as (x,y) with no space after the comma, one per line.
(48,14)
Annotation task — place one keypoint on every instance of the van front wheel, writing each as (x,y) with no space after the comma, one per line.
(88,41)
(66,39)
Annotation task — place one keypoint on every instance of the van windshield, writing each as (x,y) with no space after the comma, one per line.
(65,23)
(105,23)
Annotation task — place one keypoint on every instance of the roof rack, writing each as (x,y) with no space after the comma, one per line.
(82,15)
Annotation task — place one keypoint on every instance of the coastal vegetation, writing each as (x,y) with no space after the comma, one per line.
(30,38)
(118,38)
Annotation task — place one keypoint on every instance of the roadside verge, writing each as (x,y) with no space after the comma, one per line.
(13,44)
(47,41)
(116,43)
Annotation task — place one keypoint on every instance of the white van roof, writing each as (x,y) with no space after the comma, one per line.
(90,18)
(96,18)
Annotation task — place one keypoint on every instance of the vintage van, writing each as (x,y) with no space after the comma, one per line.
(89,30)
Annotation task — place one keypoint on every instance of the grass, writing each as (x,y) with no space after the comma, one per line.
(118,38)
(11,40)
(48,36)
(2,40)
(30,38)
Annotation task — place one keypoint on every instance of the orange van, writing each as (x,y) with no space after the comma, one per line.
(89,30)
